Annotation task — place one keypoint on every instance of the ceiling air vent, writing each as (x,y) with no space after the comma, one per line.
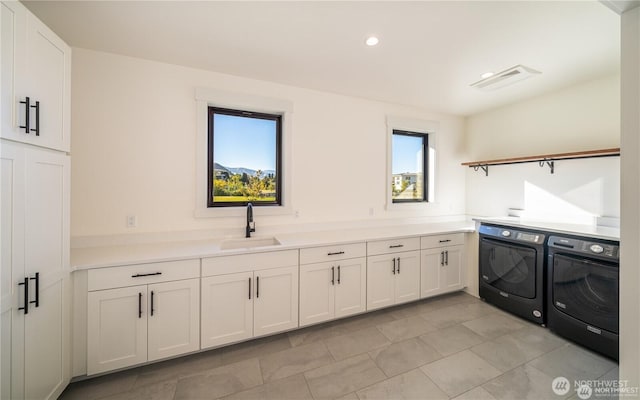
(505,78)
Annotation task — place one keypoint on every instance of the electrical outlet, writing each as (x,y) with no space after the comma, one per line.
(132,221)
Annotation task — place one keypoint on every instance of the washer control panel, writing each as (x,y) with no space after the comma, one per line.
(512,234)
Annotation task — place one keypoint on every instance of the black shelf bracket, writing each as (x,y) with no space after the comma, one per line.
(484,167)
(548,162)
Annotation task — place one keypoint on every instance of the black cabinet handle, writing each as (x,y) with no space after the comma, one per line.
(336,253)
(338,274)
(37,130)
(395,246)
(442,258)
(27,107)
(445,241)
(394,266)
(139,305)
(26,295)
(249,288)
(37,300)
(150,274)
(257,286)
(398,265)
(333,275)
(152,303)
(446,257)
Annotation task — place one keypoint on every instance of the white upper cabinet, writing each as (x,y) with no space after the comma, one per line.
(36,81)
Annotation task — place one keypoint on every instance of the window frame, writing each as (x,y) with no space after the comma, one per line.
(427,127)
(205,97)
(425,165)
(277,117)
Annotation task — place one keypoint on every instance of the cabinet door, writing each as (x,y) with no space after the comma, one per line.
(12,269)
(317,286)
(226,309)
(407,277)
(380,281)
(48,60)
(117,328)
(12,70)
(35,246)
(454,273)
(47,219)
(276,303)
(173,318)
(351,287)
(35,64)
(432,272)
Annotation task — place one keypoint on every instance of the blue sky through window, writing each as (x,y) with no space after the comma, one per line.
(405,151)
(244,142)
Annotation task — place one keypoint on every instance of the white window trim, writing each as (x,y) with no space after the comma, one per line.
(206,98)
(420,126)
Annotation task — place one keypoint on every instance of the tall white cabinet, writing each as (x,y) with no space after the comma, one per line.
(34,208)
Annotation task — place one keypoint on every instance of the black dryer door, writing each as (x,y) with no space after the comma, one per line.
(587,290)
(509,268)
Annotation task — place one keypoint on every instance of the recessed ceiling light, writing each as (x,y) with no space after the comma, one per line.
(372,41)
(486,75)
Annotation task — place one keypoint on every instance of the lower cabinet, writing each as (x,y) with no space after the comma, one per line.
(393,279)
(332,290)
(242,305)
(443,268)
(135,324)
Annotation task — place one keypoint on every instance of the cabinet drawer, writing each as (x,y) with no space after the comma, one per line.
(142,274)
(330,253)
(451,239)
(248,262)
(393,246)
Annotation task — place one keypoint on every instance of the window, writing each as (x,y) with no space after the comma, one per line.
(244,161)
(409,152)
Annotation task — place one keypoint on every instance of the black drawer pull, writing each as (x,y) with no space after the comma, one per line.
(338,274)
(37,130)
(139,305)
(333,275)
(152,303)
(398,265)
(26,295)
(445,241)
(37,279)
(249,288)
(336,253)
(27,107)
(395,246)
(257,287)
(394,266)
(141,275)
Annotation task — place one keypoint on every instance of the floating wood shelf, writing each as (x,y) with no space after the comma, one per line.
(546,159)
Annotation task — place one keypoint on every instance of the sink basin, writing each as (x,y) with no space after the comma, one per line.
(247,243)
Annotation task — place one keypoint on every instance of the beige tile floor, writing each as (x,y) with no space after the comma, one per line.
(451,347)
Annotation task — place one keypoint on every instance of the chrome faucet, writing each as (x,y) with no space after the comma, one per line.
(251,226)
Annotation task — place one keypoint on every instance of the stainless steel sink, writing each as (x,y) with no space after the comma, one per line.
(249,243)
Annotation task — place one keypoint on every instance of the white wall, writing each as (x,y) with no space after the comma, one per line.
(582,117)
(630,224)
(134,138)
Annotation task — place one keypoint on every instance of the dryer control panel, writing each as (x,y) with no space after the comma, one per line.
(586,247)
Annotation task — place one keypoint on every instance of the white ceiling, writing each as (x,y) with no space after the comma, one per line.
(429,52)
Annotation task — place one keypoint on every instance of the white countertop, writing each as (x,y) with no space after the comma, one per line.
(109,256)
(592,231)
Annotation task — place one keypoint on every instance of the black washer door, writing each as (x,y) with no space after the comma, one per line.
(586,290)
(508,267)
